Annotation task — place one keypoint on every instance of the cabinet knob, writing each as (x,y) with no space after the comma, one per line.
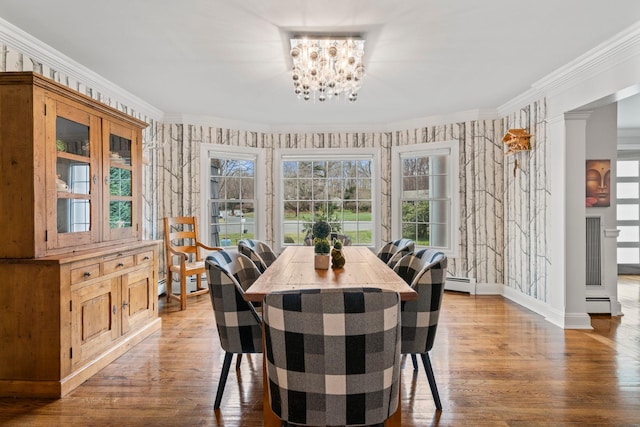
(120,265)
(87,274)
(145,258)
(95,179)
(125,304)
(114,309)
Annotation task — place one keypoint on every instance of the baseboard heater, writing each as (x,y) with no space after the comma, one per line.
(191,281)
(460,284)
(162,286)
(598,305)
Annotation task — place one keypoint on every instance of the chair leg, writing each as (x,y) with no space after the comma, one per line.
(223,378)
(183,292)
(199,286)
(432,380)
(169,283)
(415,362)
(238,360)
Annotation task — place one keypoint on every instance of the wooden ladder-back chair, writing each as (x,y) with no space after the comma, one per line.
(182,250)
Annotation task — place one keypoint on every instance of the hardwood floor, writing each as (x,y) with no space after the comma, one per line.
(496,364)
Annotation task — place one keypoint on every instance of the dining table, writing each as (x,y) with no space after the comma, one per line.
(294,270)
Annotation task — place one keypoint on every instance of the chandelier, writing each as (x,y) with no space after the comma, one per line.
(325,68)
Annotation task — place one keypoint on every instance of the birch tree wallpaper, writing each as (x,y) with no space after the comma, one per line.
(503,218)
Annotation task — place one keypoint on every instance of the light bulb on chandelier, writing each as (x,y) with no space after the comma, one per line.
(326,68)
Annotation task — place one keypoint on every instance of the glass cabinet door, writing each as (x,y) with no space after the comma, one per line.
(75,176)
(120,214)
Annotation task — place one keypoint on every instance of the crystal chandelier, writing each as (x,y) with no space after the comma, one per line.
(324,68)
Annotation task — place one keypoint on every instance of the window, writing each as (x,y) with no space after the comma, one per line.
(331,185)
(628,211)
(231,187)
(425,195)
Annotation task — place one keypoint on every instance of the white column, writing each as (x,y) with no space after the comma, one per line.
(566,159)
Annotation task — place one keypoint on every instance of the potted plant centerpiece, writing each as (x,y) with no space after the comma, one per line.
(321,246)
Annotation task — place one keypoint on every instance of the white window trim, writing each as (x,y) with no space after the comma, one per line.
(452,150)
(326,154)
(231,152)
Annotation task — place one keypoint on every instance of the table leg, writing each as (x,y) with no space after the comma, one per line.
(270,418)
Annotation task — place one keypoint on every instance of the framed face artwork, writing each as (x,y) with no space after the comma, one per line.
(598,191)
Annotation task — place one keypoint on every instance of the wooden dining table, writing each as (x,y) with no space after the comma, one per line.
(294,270)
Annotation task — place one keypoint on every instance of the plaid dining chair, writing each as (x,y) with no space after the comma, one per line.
(392,251)
(333,355)
(425,272)
(239,325)
(260,253)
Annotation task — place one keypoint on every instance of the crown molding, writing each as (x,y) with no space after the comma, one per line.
(526,98)
(606,55)
(42,52)
(218,122)
(214,122)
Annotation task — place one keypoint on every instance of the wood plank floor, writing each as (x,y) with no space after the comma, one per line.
(496,364)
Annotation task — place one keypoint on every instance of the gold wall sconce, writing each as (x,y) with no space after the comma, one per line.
(516,140)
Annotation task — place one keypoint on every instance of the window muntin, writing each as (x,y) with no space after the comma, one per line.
(232,198)
(335,186)
(425,195)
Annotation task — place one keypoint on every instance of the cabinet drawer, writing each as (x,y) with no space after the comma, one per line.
(144,257)
(87,272)
(118,264)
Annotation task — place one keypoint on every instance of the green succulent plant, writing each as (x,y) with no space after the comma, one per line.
(321,246)
(321,230)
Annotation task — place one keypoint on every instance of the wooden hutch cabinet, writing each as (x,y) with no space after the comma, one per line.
(79,285)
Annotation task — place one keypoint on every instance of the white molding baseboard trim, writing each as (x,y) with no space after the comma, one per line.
(562,320)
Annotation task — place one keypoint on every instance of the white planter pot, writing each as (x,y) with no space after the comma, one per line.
(321,262)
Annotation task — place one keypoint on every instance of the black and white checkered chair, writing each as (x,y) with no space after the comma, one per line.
(391,252)
(425,272)
(333,356)
(239,325)
(344,239)
(260,253)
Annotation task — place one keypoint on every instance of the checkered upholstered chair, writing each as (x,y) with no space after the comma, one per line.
(425,272)
(344,239)
(391,252)
(239,325)
(410,268)
(333,356)
(260,253)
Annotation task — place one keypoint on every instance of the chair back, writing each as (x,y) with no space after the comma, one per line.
(308,240)
(260,253)
(344,239)
(333,355)
(420,317)
(239,325)
(410,265)
(391,252)
(181,234)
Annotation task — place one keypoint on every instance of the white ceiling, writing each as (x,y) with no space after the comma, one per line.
(228,58)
